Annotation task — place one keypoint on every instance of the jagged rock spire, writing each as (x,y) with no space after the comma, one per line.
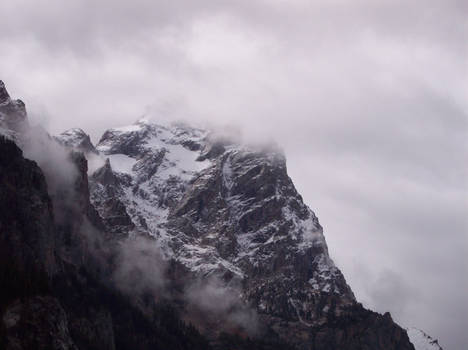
(12,112)
(78,139)
(4,96)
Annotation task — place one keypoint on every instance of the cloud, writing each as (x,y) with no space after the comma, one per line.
(217,300)
(54,160)
(140,267)
(367,98)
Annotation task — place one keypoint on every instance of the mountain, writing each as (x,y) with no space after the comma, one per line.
(76,139)
(13,117)
(178,238)
(55,294)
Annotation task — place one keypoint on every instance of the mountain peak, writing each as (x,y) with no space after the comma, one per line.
(214,210)
(12,112)
(4,96)
(221,208)
(78,139)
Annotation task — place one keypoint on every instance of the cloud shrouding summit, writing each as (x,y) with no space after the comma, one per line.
(367,98)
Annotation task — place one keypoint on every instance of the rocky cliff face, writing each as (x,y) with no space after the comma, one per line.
(230,212)
(27,240)
(76,139)
(12,112)
(55,293)
(228,243)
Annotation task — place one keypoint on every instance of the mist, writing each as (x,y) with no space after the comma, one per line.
(140,267)
(53,159)
(136,264)
(222,303)
(368,101)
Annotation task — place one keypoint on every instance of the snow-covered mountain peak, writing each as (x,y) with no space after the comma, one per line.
(73,133)
(219,208)
(220,211)
(174,150)
(78,139)
(135,139)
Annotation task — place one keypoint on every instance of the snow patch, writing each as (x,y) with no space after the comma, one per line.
(128,128)
(121,163)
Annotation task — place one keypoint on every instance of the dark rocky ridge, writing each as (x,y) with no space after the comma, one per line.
(112,210)
(55,292)
(239,219)
(12,112)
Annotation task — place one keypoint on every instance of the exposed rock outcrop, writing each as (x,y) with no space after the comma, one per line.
(76,138)
(13,116)
(55,292)
(229,211)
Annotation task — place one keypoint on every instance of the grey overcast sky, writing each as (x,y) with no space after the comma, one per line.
(368,99)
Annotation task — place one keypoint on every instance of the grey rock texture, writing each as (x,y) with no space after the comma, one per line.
(106,191)
(76,138)
(13,115)
(55,293)
(230,212)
